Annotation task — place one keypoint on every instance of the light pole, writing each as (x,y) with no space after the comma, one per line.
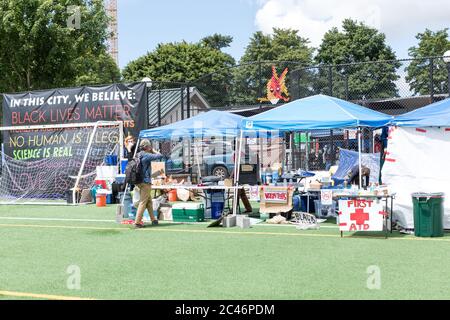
(148,82)
(148,85)
(447,61)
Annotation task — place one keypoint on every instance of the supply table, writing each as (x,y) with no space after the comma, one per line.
(206,195)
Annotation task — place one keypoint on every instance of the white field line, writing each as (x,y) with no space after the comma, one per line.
(55,219)
(101,220)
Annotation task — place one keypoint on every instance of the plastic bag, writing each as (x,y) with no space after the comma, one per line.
(136,196)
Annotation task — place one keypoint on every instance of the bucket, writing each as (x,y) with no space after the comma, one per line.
(100,200)
(173,195)
(109,198)
(123,165)
(216,210)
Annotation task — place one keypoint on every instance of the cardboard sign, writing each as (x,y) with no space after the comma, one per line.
(158,169)
(326,197)
(254,193)
(361,215)
(272,195)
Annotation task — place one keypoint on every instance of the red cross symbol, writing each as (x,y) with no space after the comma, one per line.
(359,216)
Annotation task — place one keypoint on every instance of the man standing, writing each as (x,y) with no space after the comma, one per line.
(327,157)
(146,156)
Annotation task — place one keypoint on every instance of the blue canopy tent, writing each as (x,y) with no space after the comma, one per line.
(434,115)
(208,124)
(317,112)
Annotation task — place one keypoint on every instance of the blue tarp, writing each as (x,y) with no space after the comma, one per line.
(316,112)
(209,124)
(348,159)
(434,115)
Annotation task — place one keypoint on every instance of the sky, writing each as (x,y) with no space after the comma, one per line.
(143,24)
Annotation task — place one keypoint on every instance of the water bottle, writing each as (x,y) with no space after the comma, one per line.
(263,175)
(275,176)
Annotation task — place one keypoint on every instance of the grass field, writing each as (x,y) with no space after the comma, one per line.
(182,261)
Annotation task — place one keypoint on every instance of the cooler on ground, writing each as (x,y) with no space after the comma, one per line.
(188,212)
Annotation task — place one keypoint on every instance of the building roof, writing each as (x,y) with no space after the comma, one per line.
(170,98)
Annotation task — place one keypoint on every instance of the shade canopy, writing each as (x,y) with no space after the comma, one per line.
(208,124)
(316,112)
(434,115)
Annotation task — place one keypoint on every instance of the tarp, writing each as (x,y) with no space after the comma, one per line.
(348,159)
(209,124)
(417,160)
(434,115)
(316,112)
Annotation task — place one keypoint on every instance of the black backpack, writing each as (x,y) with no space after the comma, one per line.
(133,171)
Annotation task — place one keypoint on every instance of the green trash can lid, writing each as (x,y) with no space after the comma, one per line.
(428,195)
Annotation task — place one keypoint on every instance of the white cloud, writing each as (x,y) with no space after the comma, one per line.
(400,20)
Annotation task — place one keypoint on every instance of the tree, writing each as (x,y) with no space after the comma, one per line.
(217,41)
(431,44)
(187,62)
(359,46)
(41,51)
(284,49)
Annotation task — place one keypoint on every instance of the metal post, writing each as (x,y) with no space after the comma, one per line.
(359,157)
(159,106)
(448,78)
(182,102)
(432,80)
(188,101)
(333,153)
(147,101)
(121,152)
(236,177)
(260,90)
(330,80)
(346,87)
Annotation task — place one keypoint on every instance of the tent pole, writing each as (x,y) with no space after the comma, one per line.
(359,157)
(236,177)
(197,159)
(236,152)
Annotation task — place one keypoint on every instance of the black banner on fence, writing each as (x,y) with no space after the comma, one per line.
(117,102)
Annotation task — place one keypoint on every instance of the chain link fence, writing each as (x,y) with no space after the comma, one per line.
(392,87)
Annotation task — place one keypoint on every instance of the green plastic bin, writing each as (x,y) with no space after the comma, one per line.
(428,214)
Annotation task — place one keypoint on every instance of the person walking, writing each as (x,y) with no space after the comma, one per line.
(146,156)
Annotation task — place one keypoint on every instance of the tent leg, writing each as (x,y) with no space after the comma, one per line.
(359,157)
(236,177)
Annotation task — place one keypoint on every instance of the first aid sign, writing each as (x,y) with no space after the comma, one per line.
(361,215)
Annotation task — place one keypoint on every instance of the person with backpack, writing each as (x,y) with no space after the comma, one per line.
(139,174)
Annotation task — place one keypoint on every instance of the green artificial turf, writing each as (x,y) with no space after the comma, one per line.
(191,261)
